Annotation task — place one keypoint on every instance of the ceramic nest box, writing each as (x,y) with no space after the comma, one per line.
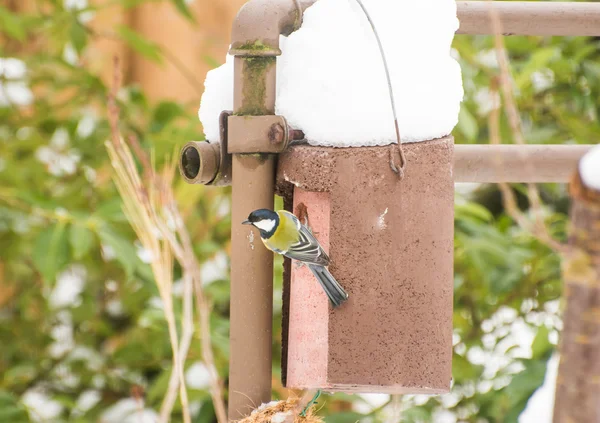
(391,247)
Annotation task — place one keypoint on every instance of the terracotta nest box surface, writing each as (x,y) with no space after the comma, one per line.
(391,247)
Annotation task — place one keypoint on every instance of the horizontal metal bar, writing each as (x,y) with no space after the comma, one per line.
(530,17)
(516,163)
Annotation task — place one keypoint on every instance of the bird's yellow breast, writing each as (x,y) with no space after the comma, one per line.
(285,235)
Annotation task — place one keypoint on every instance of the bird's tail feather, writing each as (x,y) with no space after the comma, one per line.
(332,288)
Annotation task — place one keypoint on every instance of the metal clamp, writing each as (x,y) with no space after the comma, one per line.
(209,163)
(258,134)
(205,162)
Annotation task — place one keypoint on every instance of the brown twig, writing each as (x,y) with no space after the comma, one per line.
(138,203)
(161,212)
(536,226)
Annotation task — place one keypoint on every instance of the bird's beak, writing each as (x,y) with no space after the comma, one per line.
(246,222)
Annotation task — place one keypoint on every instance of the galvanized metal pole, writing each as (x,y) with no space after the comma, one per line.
(530,17)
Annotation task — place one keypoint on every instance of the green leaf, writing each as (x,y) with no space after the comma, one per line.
(541,346)
(20,374)
(11,410)
(345,417)
(522,387)
(111,210)
(539,59)
(81,240)
(132,3)
(78,36)
(471,210)
(463,369)
(206,414)
(164,113)
(123,248)
(146,48)
(11,24)
(159,386)
(183,8)
(416,414)
(51,251)
(467,124)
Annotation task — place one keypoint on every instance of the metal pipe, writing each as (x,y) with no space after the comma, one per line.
(516,163)
(255,45)
(530,17)
(199,162)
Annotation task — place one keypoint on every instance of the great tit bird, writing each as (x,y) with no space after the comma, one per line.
(282,233)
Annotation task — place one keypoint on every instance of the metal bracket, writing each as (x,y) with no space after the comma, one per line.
(209,163)
(206,162)
(223,177)
(258,134)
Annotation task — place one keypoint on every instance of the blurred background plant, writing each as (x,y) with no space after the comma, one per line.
(83,332)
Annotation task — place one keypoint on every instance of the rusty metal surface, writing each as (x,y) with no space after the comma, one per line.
(531,17)
(265,20)
(206,162)
(516,163)
(251,303)
(258,134)
(199,162)
(255,45)
(224,176)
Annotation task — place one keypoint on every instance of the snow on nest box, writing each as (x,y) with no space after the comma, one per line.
(589,169)
(331,81)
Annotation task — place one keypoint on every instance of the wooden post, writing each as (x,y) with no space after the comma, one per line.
(578,382)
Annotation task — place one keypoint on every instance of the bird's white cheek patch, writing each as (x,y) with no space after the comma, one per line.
(266,225)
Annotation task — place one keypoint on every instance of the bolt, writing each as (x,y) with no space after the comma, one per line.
(276,134)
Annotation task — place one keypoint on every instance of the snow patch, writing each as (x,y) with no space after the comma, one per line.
(589,168)
(331,82)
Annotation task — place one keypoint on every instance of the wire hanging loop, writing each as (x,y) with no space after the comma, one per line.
(395,156)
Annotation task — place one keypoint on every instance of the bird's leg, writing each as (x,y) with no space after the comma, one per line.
(298,264)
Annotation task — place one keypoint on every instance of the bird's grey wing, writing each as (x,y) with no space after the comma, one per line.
(307,249)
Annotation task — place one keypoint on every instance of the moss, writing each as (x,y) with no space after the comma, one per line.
(254,46)
(255,89)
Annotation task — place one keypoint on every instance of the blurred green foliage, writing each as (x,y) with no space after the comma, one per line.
(80,324)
